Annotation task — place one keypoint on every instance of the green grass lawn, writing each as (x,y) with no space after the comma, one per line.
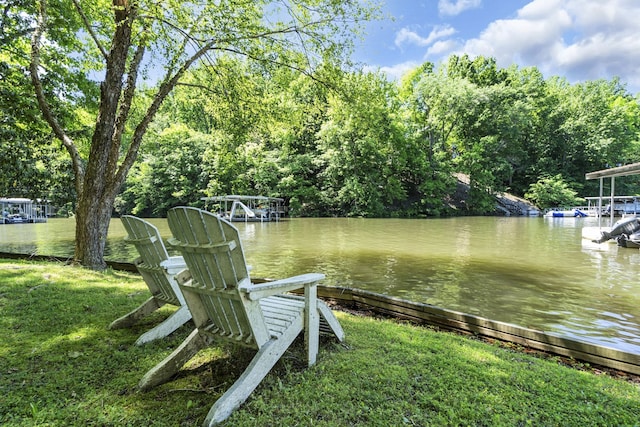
(60,366)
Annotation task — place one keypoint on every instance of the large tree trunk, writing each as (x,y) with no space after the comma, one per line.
(92,226)
(101,183)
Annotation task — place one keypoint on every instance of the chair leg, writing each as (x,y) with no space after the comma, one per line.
(170,324)
(311,323)
(147,307)
(163,371)
(259,367)
(330,319)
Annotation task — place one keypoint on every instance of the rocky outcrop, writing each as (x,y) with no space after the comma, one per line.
(513,205)
(506,204)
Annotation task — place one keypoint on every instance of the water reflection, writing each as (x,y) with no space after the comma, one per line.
(532,272)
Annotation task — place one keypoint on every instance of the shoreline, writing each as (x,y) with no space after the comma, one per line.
(365,303)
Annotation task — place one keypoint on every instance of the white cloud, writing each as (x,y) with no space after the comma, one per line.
(579,39)
(405,36)
(440,48)
(396,71)
(448,7)
(535,35)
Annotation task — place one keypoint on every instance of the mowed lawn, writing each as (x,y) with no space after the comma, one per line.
(61,366)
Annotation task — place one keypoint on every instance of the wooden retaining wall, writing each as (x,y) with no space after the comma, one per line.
(123,266)
(422,313)
(466,323)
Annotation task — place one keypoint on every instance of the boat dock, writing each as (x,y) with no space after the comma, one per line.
(21,210)
(617,205)
(238,208)
(622,205)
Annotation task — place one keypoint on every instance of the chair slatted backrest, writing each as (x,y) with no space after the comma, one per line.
(212,250)
(146,238)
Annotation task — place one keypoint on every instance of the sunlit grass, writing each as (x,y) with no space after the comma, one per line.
(60,365)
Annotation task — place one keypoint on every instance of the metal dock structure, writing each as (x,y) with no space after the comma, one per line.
(20,210)
(237,208)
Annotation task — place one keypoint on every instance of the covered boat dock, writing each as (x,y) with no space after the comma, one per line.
(238,208)
(613,173)
(21,210)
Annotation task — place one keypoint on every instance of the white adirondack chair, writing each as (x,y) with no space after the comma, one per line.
(158,270)
(226,305)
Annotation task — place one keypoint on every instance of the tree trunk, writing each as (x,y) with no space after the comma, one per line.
(92,225)
(101,183)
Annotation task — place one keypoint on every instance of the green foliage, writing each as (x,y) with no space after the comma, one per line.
(170,174)
(356,145)
(23,135)
(482,71)
(549,192)
(273,109)
(386,373)
(362,169)
(30,164)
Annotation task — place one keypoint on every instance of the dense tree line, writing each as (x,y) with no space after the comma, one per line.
(354,144)
(135,106)
(333,142)
(100,71)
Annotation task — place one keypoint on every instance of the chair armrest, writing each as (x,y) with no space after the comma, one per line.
(173,265)
(276,287)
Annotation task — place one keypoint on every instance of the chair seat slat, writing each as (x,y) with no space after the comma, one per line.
(147,240)
(209,248)
(204,290)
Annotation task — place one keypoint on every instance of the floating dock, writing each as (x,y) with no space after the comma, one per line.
(238,208)
(20,210)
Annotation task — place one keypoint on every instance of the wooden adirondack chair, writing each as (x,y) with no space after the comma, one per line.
(158,270)
(226,305)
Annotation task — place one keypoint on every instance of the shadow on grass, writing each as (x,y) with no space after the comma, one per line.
(60,365)
(58,362)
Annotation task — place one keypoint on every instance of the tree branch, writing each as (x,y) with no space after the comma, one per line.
(34,65)
(125,105)
(279,64)
(89,28)
(171,79)
(198,86)
(166,87)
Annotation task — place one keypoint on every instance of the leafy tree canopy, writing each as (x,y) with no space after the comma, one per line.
(550,192)
(122,42)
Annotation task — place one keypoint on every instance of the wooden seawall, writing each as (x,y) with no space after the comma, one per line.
(427,314)
(466,323)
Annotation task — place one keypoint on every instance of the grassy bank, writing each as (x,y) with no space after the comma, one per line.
(60,366)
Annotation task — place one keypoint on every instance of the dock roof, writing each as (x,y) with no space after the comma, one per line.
(232,197)
(631,169)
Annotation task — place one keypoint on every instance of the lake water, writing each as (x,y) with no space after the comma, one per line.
(533,272)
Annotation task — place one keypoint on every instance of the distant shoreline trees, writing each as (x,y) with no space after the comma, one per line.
(277,111)
(369,147)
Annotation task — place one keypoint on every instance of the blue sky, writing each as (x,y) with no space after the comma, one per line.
(577,39)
